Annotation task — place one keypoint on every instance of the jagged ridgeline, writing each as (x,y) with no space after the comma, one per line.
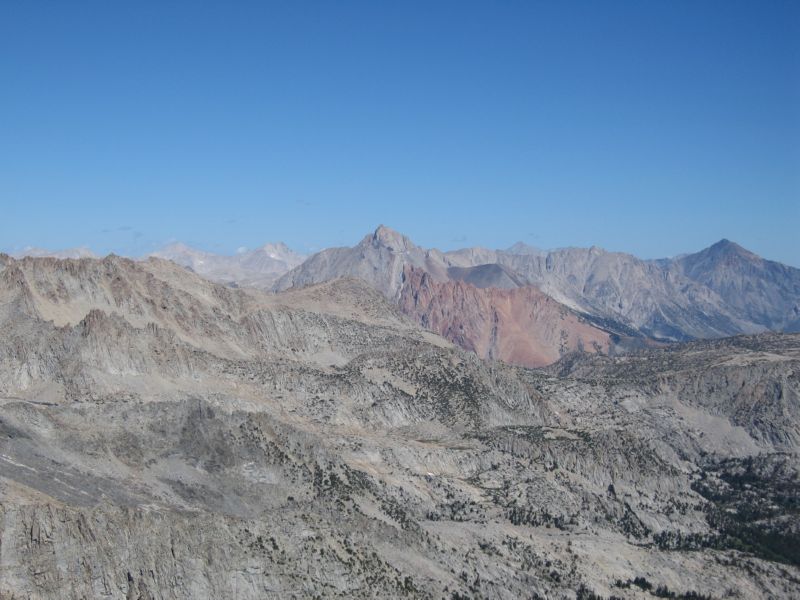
(527,306)
(162,436)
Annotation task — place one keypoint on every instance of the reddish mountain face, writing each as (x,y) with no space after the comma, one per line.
(520,326)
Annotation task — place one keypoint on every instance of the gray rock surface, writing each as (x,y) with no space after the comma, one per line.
(162,436)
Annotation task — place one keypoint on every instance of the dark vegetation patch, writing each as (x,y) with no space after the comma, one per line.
(659,591)
(754,506)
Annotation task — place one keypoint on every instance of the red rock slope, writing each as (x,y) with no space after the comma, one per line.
(521,326)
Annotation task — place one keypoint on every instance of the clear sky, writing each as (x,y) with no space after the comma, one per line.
(654,127)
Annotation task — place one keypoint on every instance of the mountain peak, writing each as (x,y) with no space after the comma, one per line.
(394,240)
(726,247)
(725,243)
(275,246)
(274,250)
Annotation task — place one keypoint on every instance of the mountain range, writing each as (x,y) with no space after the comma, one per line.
(165,436)
(77,252)
(721,291)
(252,268)
(529,306)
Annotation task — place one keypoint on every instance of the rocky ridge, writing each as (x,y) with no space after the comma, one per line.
(720,291)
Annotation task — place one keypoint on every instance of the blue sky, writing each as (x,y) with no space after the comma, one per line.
(651,127)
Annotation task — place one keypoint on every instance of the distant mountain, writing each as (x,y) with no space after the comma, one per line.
(523,248)
(77,252)
(763,291)
(721,291)
(652,297)
(255,268)
(186,256)
(379,259)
